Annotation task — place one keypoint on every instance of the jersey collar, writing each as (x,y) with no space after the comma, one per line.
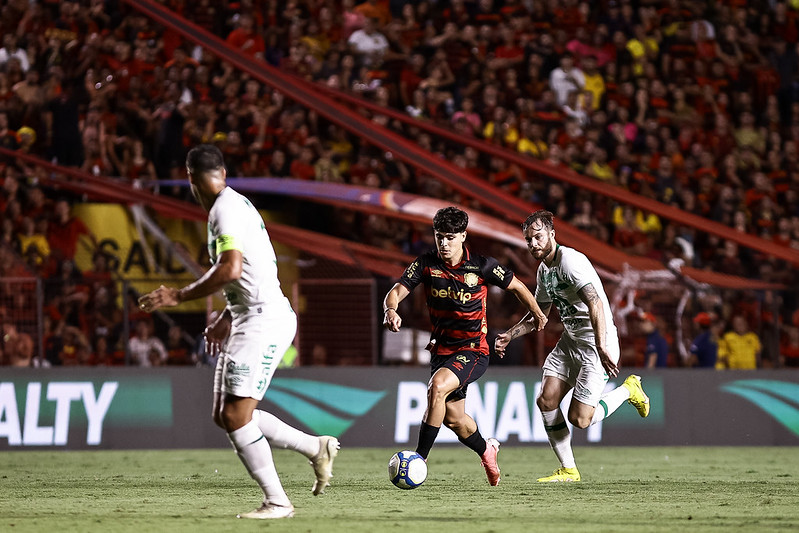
(465,257)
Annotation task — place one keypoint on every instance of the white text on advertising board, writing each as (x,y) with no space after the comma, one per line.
(516,415)
(29,432)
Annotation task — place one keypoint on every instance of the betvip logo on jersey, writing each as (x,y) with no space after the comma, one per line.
(448,292)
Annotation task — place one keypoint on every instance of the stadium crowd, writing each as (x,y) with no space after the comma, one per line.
(695,104)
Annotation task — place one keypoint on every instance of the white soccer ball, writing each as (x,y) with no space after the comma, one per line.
(407,469)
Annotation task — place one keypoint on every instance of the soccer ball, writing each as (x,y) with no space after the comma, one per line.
(407,469)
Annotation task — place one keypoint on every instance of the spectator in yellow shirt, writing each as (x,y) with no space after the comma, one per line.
(532,140)
(740,348)
(594,82)
(642,48)
(599,168)
(32,243)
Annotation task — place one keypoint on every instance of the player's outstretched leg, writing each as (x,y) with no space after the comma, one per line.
(320,451)
(489,461)
(322,463)
(638,397)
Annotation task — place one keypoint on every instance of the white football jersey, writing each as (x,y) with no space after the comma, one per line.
(235,224)
(560,284)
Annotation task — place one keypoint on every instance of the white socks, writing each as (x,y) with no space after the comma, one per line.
(254,451)
(559,437)
(609,403)
(284,436)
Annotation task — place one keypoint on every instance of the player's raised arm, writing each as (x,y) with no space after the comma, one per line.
(391,319)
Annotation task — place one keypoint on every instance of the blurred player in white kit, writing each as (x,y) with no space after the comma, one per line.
(251,335)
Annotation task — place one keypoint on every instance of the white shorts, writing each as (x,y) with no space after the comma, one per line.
(252,353)
(577,363)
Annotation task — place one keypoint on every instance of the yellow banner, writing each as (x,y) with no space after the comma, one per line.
(115,230)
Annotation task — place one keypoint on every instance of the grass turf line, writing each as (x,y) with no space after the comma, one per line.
(640,489)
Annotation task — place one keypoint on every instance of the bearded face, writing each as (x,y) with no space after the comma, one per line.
(540,241)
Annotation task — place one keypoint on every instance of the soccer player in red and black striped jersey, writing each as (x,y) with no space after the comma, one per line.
(456,284)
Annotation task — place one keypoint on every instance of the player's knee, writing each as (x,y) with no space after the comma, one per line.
(546,404)
(453,423)
(437,390)
(579,421)
(231,420)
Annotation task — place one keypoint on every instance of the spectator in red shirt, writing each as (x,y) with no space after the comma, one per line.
(246,39)
(375,9)
(64,231)
(178,349)
(302,167)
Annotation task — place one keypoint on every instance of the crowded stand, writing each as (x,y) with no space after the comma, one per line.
(693,104)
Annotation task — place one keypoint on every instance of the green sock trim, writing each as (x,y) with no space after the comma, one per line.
(605,407)
(556,427)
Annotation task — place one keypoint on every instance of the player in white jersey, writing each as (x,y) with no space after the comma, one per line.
(251,335)
(587,352)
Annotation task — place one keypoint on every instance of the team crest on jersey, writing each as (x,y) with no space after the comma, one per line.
(471,279)
(436,273)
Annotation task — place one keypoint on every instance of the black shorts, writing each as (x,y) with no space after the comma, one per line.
(467,365)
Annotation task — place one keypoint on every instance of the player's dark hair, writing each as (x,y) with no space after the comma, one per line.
(450,220)
(204,158)
(543,216)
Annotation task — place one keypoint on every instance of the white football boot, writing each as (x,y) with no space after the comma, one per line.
(268,511)
(322,463)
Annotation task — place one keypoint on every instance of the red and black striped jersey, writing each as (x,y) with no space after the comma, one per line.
(456,298)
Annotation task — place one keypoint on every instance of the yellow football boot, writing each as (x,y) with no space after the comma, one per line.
(638,397)
(562,475)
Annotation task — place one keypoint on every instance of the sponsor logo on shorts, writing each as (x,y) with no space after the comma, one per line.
(580,390)
(241,370)
(269,355)
(463,359)
(232,381)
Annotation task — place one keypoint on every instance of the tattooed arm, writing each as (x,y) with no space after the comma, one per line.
(532,321)
(534,314)
(596,312)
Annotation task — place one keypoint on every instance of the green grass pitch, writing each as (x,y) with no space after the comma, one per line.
(623,489)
